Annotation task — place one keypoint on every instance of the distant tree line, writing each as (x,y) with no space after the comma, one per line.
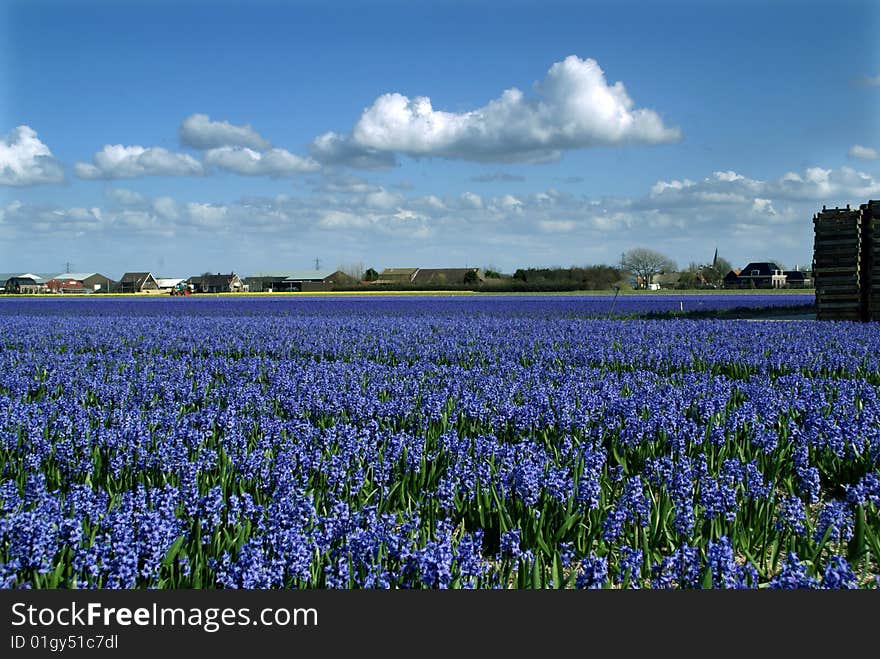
(587,278)
(639,267)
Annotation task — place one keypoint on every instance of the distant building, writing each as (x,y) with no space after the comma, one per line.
(23,285)
(82,282)
(430,276)
(12,282)
(138,282)
(297,281)
(397,275)
(65,285)
(760,274)
(664,280)
(731,279)
(797,279)
(445,275)
(219,283)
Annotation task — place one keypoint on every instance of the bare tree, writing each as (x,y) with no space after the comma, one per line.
(353,270)
(644,263)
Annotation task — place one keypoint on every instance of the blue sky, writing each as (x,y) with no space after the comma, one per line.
(186,136)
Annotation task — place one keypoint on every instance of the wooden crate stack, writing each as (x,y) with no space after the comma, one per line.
(837,261)
(871,258)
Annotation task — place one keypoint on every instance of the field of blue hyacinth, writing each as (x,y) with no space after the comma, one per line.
(436,442)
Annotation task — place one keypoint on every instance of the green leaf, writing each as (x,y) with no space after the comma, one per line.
(858,543)
(707,579)
(173,550)
(570,521)
(537,573)
(558,578)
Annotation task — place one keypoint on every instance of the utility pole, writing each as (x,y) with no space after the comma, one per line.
(317,264)
(67,266)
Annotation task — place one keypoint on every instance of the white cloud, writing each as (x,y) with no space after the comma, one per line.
(247,162)
(337,219)
(862,152)
(814,183)
(124,196)
(728,176)
(207,215)
(198,131)
(118,161)
(510,203)
(763,206)
(684,218)
(557,226)
(574,107)
(870,81)
(166,208)
(661,186)
(139,222)
(381,198)
(25,160)
(434,202)
(334,149)
(472,199)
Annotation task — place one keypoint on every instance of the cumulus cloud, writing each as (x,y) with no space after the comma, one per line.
(334,149)
(118,161)
(728,187)
(248,162)
(206,215)
(433,201)
(573,107)
(685,218)
(25,160)
(124,196)
(166,208)
(198,131)
(862,152)
(381,198)
(510,202)
(471,199)
(338,219)
(32,220)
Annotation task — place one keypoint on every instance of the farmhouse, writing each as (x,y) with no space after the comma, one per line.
(758,274)
(138,282)
(80,282)
(731,279)
(24,284)
(218,283)
(397,275)
(664,280)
